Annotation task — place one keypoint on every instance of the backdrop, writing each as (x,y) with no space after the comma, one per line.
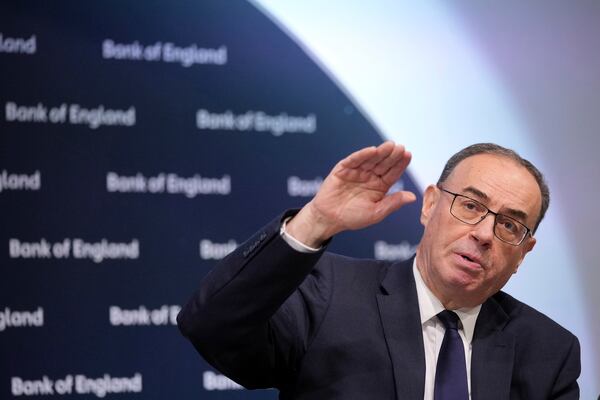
(140,143)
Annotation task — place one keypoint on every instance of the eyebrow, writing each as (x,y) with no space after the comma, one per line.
(518,214)
(476,192)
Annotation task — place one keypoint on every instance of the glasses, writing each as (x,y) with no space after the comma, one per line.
(472,212)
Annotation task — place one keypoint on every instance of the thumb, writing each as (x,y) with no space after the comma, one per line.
(393,202)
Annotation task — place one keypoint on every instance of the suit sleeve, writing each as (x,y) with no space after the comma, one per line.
(566,387)
(250,318)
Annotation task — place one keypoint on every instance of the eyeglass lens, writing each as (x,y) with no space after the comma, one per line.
(472,212)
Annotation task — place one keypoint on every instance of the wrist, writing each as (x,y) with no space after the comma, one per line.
(310,228)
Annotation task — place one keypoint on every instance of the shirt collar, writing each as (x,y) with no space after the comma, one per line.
(430,306)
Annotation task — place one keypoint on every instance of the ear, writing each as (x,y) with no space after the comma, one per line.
(430,199)
(527,247)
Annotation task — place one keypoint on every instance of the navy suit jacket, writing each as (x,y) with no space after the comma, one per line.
(325,326)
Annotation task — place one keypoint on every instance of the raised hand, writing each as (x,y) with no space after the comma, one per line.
(354,194)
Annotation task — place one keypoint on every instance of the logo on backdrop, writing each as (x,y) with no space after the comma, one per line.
(212,381)
(143,316)
(298,187)
(164,52)
(210,250)
(168,183)
(255,121)
(76,384)
(394,252)
(20,319)
(17,182)
(18,45)
(73,114)
(75,248)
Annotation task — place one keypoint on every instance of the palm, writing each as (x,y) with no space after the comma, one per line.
(354,195)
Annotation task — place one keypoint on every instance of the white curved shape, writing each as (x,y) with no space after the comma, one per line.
(416,74)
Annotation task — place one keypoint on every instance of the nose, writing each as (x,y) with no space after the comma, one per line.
(483,232)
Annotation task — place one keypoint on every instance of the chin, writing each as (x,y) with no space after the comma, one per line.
(463,280)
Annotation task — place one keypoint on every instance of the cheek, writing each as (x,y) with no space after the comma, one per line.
(513,261)
(504,267)
(451,234)
(442,227)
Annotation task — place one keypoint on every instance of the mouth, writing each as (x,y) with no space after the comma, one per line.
(470,260)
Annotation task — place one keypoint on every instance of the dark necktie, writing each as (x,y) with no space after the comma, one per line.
(451,370)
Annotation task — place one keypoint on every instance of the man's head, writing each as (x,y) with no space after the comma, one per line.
(464,264)
(491,148)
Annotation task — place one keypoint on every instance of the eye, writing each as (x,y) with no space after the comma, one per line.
(508,224)
(472,206)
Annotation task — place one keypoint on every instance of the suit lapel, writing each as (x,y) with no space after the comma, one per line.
(493,354)
(399,311)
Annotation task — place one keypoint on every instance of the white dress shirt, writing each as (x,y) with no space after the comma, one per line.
(433,329)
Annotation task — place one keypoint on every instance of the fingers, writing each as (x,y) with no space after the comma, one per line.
(396,171)
(368,157)
(357,158)
(383,152)
(353,174)
(388,161)
(394,158)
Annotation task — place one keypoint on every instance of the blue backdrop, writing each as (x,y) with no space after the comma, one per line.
(140,143)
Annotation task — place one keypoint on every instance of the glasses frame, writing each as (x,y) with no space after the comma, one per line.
(495,214)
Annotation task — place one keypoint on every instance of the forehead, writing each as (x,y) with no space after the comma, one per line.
(506,183)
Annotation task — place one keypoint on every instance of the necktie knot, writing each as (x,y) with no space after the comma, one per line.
(449,319)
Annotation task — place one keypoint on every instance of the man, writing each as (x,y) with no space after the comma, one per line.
(281,312)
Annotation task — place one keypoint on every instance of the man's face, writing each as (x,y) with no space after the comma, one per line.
(465,264)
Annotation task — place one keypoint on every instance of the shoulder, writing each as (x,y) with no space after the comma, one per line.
(531,325)
(355,265)
(348,269)
(348,276)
